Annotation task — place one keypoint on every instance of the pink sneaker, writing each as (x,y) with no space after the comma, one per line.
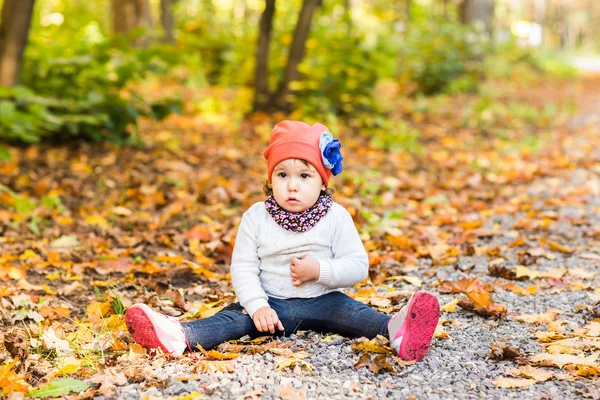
(412,329)
(152,329)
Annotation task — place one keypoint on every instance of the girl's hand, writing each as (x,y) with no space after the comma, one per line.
(304,269)
(266,319)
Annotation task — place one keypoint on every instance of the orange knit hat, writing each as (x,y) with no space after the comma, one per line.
(295,139)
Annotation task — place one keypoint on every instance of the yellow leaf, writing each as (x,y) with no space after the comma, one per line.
(522,271)
(545,318)
(573,345)
(519,290)
(15,273)
(135,353)
(215,366)
(223,356)
(379,344)
(330,338)
(513,383)
(192,396)
(292,362)
(413,280)
(440,333)
(381,302)
(28,254)
(366,292)
(98,220)
(558,247)
(560,360)
(527,371)
(451,306)
(67,365)
(10,381)
(96,310)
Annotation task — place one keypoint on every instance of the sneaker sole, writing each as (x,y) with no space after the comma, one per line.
(141,327)
(421,320)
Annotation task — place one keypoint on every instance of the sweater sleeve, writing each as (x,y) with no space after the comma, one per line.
(350,263)
(245,267)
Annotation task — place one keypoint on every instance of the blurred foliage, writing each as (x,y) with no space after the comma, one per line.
(81,82)
(438,57)
(81,88)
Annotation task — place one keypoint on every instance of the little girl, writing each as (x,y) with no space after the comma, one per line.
(293,254)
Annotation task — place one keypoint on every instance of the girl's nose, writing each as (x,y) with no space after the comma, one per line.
(292,184)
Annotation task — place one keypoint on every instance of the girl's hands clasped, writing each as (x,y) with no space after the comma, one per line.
(304,269)
(266,319)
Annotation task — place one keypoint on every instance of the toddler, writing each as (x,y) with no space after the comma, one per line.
(293,254)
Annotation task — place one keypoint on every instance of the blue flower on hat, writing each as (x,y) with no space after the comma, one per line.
(330,152)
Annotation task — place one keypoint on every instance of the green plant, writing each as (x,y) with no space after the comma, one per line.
(438,56)
(396,136)
(26,207)
(81,91)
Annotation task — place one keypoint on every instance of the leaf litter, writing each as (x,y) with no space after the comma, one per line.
(151,226)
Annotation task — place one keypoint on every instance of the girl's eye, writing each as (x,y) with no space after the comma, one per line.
(304,176)
(282,174)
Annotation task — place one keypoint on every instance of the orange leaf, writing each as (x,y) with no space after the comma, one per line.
(558,247)
(199,232)
(10,381)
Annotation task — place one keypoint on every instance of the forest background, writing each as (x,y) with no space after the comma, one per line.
(131,134)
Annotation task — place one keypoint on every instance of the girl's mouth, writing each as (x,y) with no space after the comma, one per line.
(292,200)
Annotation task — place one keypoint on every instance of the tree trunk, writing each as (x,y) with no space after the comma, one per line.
(474,10)
(167,20)
(131,14)
(297,49)
(14,32)
(492,26)
(262,94)
(348,15)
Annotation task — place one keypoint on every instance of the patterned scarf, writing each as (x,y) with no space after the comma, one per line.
(299,221)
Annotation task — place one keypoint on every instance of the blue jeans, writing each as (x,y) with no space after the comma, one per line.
(333,312)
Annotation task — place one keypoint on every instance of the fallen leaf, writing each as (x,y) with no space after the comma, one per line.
(556,273)
(51,341)
(59,387)
(464,285)
(589,256)
(545,318)
(558,247)
(503,351)
(109,379)
(214,366)
(375,364)
(560,360)
(413,280)
(450,306)
(291,362)
(513,383)
(65,241)
(10,381)
(287,393)
(379,344)
(527,371)
(67,365)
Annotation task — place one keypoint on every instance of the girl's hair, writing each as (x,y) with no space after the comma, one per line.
(268,188)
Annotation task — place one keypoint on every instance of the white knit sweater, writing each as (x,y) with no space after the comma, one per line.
(260,265)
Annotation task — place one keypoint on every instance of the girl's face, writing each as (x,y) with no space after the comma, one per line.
(296,185)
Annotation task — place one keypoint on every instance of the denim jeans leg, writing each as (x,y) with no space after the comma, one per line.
(283,308)
(228,324)
(338,313)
